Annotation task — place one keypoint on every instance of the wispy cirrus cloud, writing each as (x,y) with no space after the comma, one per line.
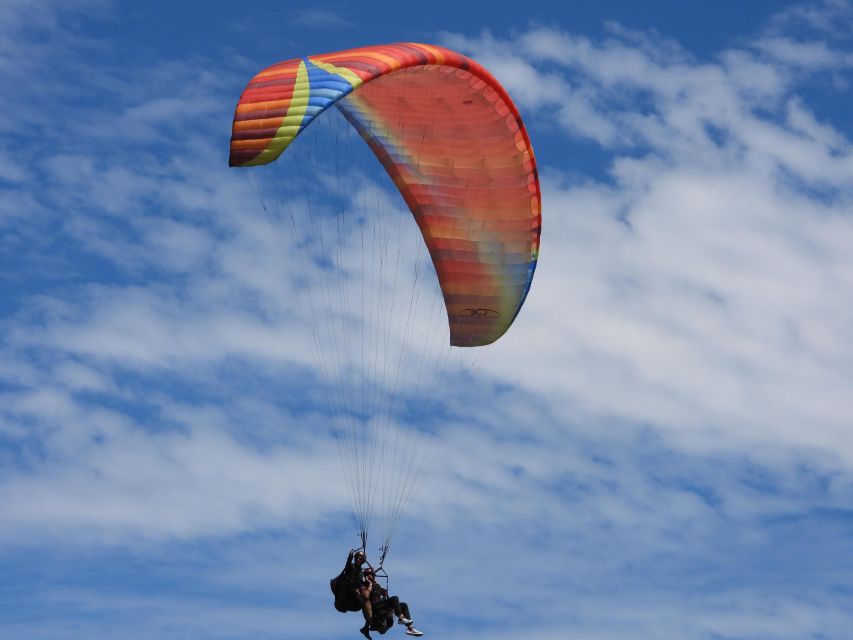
(319,17)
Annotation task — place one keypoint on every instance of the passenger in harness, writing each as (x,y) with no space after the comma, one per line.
(384,608)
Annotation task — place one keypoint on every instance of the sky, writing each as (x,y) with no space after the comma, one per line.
(661,447)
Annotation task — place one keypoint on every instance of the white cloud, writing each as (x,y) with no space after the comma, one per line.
(812,56)
(316,17)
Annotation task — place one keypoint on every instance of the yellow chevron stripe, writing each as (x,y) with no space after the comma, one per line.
(286,132)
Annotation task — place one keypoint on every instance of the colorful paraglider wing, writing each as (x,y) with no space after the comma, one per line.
(454,144)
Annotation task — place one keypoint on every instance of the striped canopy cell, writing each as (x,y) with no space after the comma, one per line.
(454,143)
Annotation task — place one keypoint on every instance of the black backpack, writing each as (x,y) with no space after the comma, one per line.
(344,592)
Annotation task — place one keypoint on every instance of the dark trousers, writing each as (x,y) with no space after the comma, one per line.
(399,608)
(393,603)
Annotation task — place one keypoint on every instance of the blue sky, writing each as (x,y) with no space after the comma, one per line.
(660,448)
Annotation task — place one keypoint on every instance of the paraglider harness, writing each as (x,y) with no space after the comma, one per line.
(383,614)
(344,586)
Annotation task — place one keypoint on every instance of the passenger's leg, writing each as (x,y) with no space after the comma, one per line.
(394,603)
(366,606)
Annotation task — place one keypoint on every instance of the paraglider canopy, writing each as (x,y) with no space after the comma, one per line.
(455,146)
